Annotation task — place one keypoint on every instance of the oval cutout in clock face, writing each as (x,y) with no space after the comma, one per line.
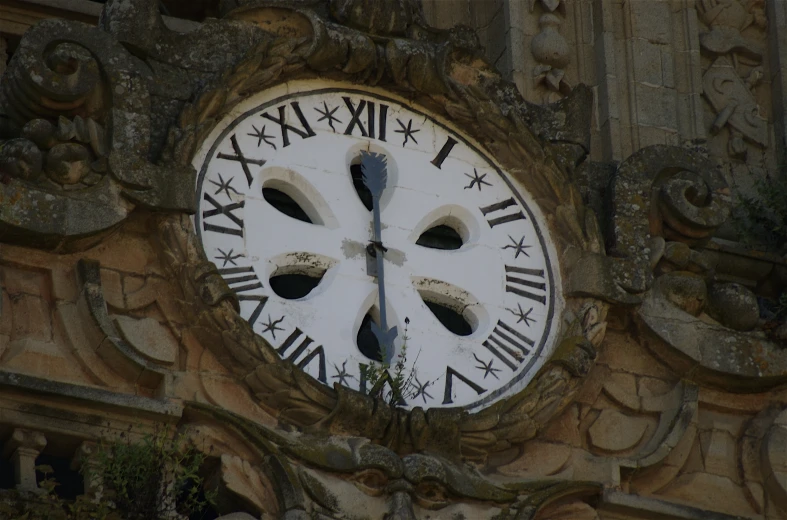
(288,199)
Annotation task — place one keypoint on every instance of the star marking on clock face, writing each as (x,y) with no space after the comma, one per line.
(227,257)
(272,326)
(261,136)
(328,113)
(420,389)
(350,167)
(476,180)
(224,186)
(342,375)
(407,131)
(518,247)
(486,367)
(522,315)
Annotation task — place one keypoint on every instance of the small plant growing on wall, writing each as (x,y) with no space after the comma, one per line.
(762,222)
(763,218)
(398,377)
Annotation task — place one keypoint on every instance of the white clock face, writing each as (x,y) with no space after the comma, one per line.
(468,269)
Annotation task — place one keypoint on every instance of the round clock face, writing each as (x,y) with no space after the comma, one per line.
(290,188)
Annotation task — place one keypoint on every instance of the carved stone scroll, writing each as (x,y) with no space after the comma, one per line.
(77,109)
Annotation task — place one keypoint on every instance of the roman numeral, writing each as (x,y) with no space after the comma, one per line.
(450,374)
(508,345)
(286,129)
(369,129)
(500,206)
(242,281)
(385,379)
(521,282)
(237,279)
(318,353)
(243,160)
(227,211)
(444,151)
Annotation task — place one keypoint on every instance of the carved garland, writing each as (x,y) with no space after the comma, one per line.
(444,77)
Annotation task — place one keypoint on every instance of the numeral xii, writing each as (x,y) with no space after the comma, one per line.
(372,123)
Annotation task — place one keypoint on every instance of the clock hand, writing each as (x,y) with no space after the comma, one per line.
(375,177)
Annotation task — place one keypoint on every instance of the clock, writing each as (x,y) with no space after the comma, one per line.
(293,214)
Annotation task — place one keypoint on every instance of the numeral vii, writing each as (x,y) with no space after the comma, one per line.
(318,353)
(508,345)
(371,125)
(521,286)
(501,207)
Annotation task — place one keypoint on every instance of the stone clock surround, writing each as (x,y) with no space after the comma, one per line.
(506,287)
(507,139)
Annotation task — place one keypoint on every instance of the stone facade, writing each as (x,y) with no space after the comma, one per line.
(635,126)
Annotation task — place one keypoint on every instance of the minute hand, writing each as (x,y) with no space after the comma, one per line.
(375,176)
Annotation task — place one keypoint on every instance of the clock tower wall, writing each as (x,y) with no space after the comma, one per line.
(330,247)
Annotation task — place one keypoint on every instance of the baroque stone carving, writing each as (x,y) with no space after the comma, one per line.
(730,80)
(734,103)
(436,72)
(660,192)
(325,475)
(87,173)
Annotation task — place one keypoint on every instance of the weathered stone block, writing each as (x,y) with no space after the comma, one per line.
(651,20)
(647,62)
(656,106)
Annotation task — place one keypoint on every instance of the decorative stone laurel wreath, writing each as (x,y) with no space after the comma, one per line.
(444,76)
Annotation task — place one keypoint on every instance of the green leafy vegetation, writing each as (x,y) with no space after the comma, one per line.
(154,479)
(762,219)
